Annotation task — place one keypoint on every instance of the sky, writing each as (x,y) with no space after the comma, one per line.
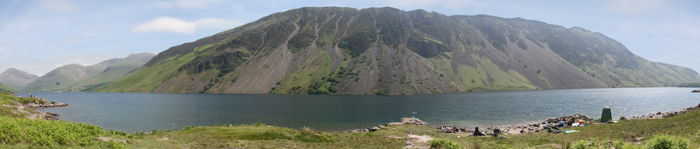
(38,36)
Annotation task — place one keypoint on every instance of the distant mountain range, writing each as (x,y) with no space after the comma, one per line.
(74,77)
(332,50)
(16,78)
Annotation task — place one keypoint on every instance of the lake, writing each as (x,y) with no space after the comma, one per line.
(133,112)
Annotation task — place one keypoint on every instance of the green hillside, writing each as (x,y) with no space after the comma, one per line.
(75,78)
(5,88)
(332,50)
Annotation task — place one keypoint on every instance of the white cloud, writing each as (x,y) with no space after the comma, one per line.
(187,4)
(58,5)
(636,6)
(167,24)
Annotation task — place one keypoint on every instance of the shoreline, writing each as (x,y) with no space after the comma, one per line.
(528,127)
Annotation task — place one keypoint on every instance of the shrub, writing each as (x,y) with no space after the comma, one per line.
(667,142)
(580,145)
(622,118)
(445,144)
(41,132)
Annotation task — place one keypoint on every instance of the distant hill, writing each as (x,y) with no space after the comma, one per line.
(332,50)
(16,78)
(74,77)
(5,88)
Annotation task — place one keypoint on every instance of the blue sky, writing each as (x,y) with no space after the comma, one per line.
(39,35)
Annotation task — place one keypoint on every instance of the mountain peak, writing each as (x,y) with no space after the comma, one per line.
(16,78)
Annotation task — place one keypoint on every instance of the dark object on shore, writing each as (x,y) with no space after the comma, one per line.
(477,132)
(607,115)
(496,132)
(696,91)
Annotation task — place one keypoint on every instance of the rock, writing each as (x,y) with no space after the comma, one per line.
(32,105)
(552,120)
(104,139)
(394,124)
(356,131)
(373,129)
(696,91)
(162,139)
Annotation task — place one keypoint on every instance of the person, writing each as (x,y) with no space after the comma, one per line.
(496,132)
(455,130)
(442,129)
(448,129)
(561,123)
(477,133)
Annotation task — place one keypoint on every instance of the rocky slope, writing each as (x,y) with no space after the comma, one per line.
(333,50)
(74,77)
(16,78)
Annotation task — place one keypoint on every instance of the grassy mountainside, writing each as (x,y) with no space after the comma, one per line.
(16,78)
(74,77)
(331,50)
(5,88)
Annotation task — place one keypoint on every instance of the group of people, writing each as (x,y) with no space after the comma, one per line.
(448,129)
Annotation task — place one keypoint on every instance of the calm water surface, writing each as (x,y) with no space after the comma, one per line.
(134,112)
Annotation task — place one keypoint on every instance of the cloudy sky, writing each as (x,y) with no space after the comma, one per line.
(40,35)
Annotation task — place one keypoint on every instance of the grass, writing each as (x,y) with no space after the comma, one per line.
(674,130)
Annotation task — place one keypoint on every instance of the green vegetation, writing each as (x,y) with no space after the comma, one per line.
(691,84)
(445,144)
(383,91)
(43,132)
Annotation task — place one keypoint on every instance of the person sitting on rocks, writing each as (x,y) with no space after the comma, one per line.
(455,130)
(561,123)
(477,132)
(496,132)
(448,129)
(442,129)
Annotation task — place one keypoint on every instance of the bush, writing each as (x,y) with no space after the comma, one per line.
(445,144)
(667,142)
(41,132)
(580,145)
(622,118)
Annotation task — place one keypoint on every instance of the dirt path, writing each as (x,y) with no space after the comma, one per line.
(416,141)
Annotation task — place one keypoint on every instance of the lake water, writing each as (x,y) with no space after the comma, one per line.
(134,112)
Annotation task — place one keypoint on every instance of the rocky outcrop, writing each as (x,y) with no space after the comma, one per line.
(404,121)
(696,91)
(660,115)
(45,105)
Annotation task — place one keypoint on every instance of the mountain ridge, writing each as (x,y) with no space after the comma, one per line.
(334,50)
(16,79)
(76,77)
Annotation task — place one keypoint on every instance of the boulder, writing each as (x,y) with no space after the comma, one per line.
(394,124)
(373,129)
(32,105)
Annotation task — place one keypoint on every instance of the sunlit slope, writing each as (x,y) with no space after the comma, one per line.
(74,77)
(332,50)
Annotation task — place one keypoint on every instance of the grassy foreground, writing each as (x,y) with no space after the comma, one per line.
(18,132)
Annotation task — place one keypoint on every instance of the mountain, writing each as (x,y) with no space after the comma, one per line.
(74,77)
(390,51)
(16,78)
